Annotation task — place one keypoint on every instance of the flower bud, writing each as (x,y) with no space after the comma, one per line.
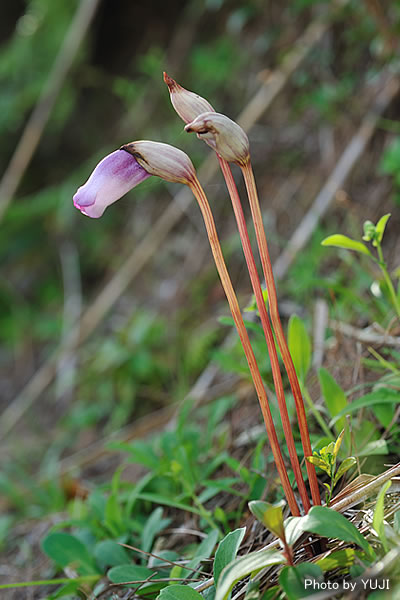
(187,104)
(113,177)
(163,160)
(224,135)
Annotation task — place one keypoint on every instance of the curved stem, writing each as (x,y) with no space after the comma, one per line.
(276,373)
(244,338)
(277,325)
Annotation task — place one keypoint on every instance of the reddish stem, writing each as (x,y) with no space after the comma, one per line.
(277,325)
(255,281)
(244,338)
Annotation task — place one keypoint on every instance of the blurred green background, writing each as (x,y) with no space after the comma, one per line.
(150,333)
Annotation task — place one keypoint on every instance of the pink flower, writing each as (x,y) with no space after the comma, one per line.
(113,177)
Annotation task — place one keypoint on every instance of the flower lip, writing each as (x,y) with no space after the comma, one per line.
(112,178)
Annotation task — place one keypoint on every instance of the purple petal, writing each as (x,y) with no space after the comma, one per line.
(113,177)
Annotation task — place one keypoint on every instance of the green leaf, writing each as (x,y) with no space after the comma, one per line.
(154,524)
(293,580)
(271,593)
(396,522)
(252,591)
(70,589)
(110,554)
(376,447)
(331,524)
(384,414)
(318,462)
(338,443)
(269,515)
(227,550)
(380,226)
(65,549)
(345,466)
(205,549)
(334,396)
(179,592)
(113,515)
(243,566)
(159,499)
(299,346)
(380,396)
(129,572)
(293,530)
(378,520)
(338,559)
(342,241)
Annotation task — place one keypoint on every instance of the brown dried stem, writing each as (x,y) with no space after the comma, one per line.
(244,338)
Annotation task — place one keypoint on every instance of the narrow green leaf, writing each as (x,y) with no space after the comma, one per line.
(378,520)
(154,524)
(380,396)
(297,582)
(39,582)
(113,515)
(345,466)
(227,550)
(243,566)
(179,592)
(338,443)
(396,522)
(159,499)
(342,241)
(380,226)
(334,396)
(205,549)
(331,524)
(299,346)
(65,549)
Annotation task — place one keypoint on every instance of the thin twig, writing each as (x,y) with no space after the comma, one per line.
(366,490)
(367,336)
